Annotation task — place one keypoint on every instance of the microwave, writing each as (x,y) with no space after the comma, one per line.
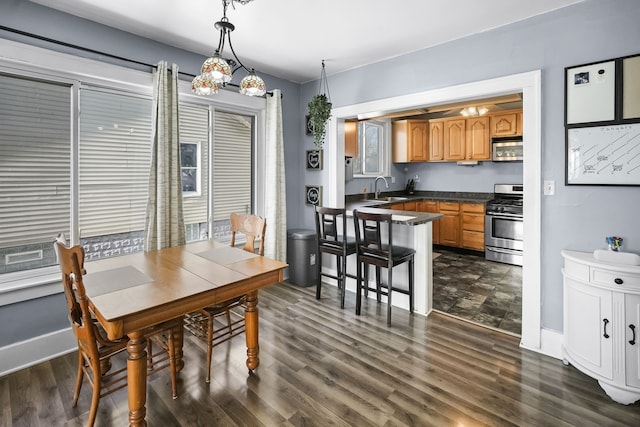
(506,149)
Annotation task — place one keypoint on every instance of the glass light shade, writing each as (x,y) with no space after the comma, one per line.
(202,86)
(252,85)
(216,69)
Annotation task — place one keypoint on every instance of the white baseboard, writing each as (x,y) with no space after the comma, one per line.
(550,343)
(36,350)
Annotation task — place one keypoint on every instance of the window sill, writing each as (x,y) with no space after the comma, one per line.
(18,287)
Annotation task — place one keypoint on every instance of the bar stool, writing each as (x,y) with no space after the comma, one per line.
(332,243)
(372,249)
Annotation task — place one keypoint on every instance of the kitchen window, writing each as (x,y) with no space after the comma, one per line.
(190,168)
(373,149)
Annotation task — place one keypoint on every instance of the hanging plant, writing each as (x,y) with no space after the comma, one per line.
(320,111)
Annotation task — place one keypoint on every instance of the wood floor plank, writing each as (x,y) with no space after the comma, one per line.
(322,365)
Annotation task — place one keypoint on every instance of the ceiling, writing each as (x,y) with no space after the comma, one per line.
(290,38)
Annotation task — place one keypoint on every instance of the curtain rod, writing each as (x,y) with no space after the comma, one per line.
(97,52)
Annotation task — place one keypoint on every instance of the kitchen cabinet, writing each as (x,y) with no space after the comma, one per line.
(411,206)
(410,141)
(436,141)
(454,139)
(431,206)
(449,223)
(478,140)
(506,123)
(472,225)
(397,206)
(602,321)
(350,139)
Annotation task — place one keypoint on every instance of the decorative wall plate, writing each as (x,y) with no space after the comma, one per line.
(313,195)
(314,159)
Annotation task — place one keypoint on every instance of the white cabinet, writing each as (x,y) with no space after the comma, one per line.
(601,322)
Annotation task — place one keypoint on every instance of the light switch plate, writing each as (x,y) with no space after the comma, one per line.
(549,188)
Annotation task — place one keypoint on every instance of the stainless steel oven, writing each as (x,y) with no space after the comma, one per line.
(504,225)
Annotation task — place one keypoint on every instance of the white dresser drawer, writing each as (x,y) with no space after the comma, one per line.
(614,279)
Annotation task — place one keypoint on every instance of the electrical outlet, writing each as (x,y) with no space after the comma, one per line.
(393,179)
(416,178)
(549,188)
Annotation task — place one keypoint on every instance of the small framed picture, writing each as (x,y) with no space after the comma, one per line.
(307,124)
(313,195)
(314,159)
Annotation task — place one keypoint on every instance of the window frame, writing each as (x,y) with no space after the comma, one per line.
(384,160)
(198,170)
(25,60)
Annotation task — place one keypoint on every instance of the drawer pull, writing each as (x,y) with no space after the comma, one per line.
(618,281)
(633,331)
(606,322)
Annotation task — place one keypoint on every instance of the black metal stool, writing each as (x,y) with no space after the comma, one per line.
(332,243)
(372,249)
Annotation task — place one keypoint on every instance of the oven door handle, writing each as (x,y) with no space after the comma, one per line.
(503,250)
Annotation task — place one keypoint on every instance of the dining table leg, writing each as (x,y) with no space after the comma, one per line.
(251,330)
(137,378)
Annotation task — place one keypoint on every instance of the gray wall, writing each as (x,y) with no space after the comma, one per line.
(577,217)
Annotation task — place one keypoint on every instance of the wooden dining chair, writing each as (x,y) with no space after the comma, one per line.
(202,323)
(331,232)
(374,250)
(95,351)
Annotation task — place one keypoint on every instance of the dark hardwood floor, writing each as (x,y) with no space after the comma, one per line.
(321,365)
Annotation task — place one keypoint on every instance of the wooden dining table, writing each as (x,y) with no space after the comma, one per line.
(130,294)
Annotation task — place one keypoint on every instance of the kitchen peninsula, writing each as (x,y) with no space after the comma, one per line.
(413,228)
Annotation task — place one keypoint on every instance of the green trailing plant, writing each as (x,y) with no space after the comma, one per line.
(319,113)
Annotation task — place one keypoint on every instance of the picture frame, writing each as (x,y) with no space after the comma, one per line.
(590,93)
(314,159)
(307,125)
(313,195)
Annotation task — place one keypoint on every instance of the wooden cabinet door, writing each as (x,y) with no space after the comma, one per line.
(350,139)
(588,326)
(631,331)
(504,124)
(454,139)
(411,206)
(478,139)
(397,206)
(417,141)
(449,223)
(436,141)
(431,206)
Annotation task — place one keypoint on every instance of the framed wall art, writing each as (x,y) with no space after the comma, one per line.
(313,195)
(314,159)
(590,93)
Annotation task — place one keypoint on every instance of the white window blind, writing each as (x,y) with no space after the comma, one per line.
(35,144)
(232,164)
(194,128)
(114,162)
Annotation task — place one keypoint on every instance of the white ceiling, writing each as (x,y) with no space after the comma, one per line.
(290,38)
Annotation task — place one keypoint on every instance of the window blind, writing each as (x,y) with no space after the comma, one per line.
(194,128)
(35,144)
(114,162)
(232,164)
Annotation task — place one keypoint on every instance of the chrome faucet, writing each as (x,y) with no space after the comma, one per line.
(375,185)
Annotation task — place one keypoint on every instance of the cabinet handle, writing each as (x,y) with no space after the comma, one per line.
(606,322)
(633,331)
(618,281)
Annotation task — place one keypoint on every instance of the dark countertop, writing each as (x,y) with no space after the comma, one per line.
(356,201)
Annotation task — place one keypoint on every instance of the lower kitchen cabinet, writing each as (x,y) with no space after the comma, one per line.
(602,321)
(472,224)
(431,206)
(449,223)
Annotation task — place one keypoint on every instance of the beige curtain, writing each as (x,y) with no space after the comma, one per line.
(164,224)
(275,191)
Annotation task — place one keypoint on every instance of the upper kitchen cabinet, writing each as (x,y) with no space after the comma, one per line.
(506,123)
(455,139)
(478,139)
(351,139)
(410,141)
(436,141)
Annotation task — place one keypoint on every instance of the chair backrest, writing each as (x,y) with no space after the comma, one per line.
(253,227)
(327,225)
(371,245)
(71,260)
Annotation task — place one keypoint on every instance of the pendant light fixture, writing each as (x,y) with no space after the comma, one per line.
(217,71)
